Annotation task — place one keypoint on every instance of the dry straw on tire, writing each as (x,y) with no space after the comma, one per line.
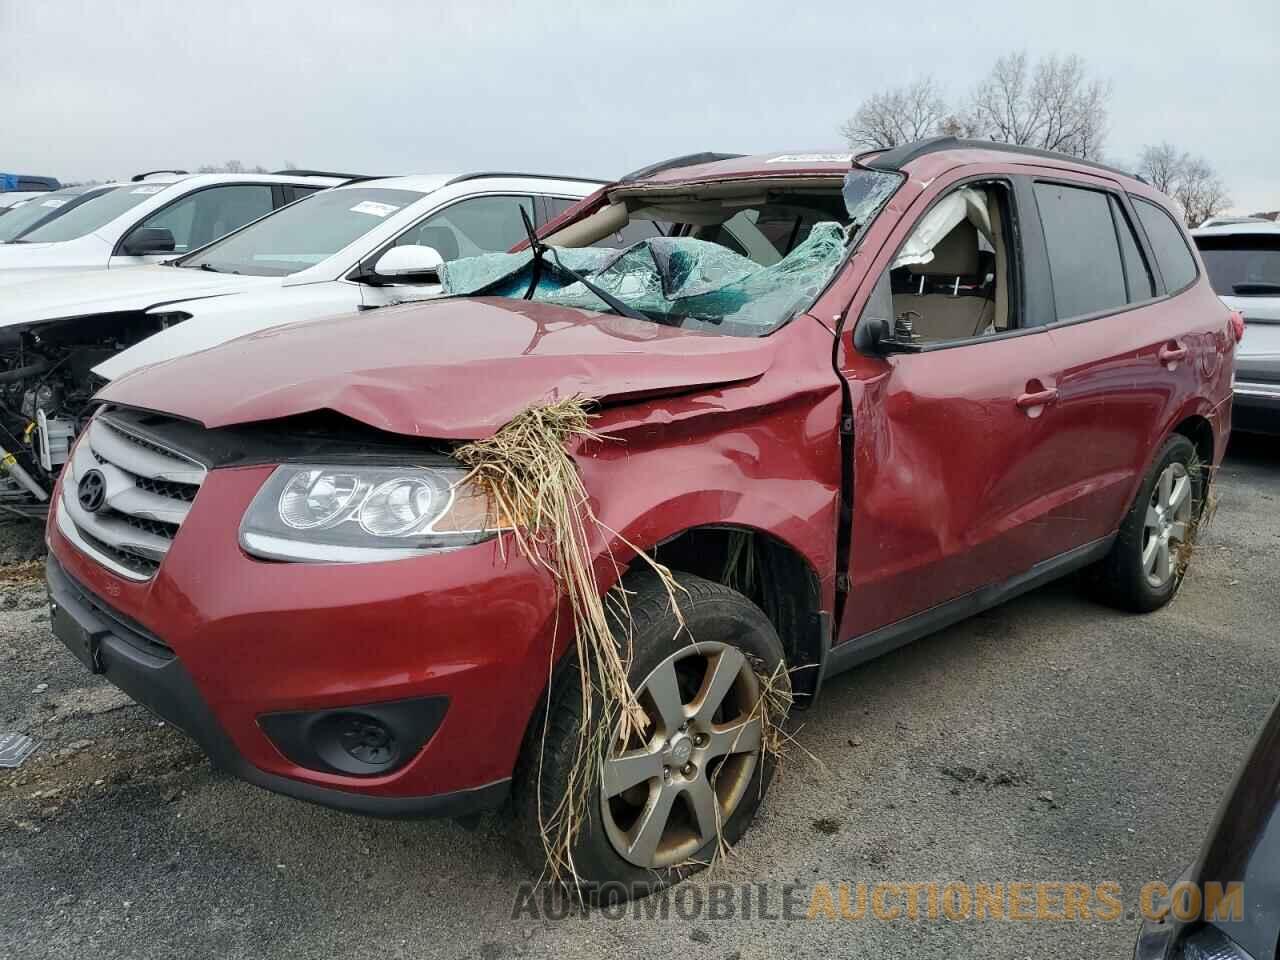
(535,489)
(536,492)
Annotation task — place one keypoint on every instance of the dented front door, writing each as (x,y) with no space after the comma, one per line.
(947,497)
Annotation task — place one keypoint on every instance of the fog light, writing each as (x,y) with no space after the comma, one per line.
(365,739)
(360,741)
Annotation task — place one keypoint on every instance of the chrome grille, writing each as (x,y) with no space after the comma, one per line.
(148,493)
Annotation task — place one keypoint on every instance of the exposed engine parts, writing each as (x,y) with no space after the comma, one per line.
(46,383)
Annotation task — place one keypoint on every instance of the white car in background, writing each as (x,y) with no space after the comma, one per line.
(40,208)
(1242,256)
(153,217)
(361,245)
(17,189)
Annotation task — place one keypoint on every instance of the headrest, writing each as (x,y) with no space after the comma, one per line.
(442,238)
(955,255)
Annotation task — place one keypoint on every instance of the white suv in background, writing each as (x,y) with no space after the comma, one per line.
(1242,256)
(361,245)
(153,217)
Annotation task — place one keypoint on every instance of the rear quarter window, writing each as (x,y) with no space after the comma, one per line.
(1168,243)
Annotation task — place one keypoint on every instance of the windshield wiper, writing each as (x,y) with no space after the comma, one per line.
(540,249)
(208,266)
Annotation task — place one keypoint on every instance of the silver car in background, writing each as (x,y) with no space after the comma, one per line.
(1243,259)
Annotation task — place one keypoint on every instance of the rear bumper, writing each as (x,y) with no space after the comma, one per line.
(145,669)
(1256,406)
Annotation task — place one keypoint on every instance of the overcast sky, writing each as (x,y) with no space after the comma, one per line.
(105,89)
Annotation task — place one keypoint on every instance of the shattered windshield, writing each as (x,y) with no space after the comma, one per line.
(735,270)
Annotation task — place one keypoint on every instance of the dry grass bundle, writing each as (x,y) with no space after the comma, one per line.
(771,709)
(1204,509)
(536,490)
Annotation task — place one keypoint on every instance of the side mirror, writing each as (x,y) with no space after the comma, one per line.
(874,336)
(409,264)
(145,240)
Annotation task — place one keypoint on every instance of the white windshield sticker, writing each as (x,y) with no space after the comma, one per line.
(374,209)
(146,190)
(54,202)
(812,158)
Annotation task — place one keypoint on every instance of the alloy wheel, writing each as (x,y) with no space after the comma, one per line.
(666,793)
(1168,524)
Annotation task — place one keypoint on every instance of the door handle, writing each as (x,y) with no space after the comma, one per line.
(1172,352)
(1037,398)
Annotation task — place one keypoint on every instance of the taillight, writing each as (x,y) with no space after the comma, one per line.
(1237,325)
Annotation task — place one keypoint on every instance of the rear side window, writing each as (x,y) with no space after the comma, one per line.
(1169,245)
(1137,275)
(1084,254)
(1239,265)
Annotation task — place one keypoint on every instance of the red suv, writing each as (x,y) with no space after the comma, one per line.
(905,387)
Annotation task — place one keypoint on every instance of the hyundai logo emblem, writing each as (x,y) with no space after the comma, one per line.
(92,492)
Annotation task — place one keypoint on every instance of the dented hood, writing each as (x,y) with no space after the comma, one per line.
(453,369)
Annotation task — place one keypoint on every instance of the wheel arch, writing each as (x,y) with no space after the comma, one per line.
(773,574)
(1199,430)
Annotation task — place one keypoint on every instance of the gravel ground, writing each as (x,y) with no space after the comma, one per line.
(1049,739)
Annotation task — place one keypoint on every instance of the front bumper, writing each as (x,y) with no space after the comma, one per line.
(221,644)
(141,666)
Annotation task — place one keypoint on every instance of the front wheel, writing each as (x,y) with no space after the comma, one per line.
(1146,564)
(664,800)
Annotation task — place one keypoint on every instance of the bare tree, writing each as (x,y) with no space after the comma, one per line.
(1190,180)
(1053,105)
(1200,192)
(1161,165)
(231,166)
(897,115)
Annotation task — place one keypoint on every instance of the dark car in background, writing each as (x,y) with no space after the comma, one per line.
(1243,848)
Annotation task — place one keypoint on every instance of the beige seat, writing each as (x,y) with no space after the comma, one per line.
(953,312)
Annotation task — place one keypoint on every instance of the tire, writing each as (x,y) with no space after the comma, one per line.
(728,628)
(1124,578)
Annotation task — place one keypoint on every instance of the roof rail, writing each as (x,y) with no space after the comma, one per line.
(898,157)
(151,173)
(324,173)
(687,160)
(509,173)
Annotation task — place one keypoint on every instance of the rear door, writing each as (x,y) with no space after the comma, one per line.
(1121,351)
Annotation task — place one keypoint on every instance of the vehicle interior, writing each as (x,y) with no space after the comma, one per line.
(762,220)
(740,257)
(949,280)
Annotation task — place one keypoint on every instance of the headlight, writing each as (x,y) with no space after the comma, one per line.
(361,514)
